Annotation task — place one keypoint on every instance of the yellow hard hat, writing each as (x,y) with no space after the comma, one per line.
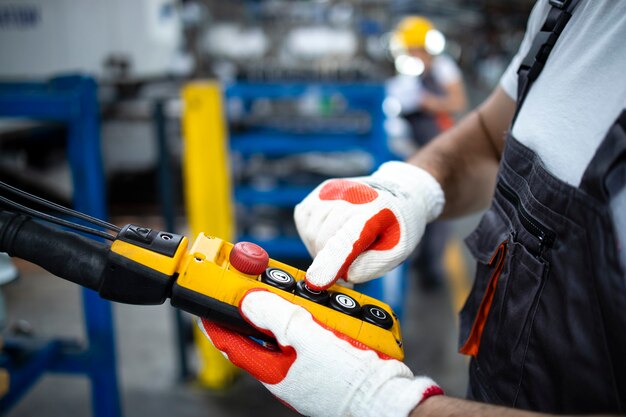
(411,32)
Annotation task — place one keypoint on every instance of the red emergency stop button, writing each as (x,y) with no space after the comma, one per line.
(249,258)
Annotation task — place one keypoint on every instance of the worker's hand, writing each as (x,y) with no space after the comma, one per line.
(360,228)
(431,103)
(314,370)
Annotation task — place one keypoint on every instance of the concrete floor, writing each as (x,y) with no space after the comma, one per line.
(147,356)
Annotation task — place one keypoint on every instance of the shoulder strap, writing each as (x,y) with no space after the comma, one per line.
(605,175)
(546,38)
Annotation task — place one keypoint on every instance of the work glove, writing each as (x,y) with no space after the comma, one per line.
(315,370)
(360,228)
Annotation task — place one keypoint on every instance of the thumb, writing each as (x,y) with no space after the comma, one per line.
(380,231)
(270,313)
(290,324)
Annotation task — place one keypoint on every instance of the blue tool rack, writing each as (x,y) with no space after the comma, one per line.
(71,100)
(273,141)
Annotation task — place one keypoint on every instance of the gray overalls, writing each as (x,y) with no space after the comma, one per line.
(545,322)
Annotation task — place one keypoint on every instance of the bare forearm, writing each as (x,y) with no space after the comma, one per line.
(464,164)
(465,159)
(444,406)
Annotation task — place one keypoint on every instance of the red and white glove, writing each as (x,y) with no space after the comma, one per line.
(360,228)
(318,371)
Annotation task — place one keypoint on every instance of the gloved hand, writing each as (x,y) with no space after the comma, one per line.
(360,228)
(317,371)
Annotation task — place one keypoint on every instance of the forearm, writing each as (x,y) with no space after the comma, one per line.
(465,158)
(464,163)
(444,406)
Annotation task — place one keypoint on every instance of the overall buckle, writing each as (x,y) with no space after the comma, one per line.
(561,4)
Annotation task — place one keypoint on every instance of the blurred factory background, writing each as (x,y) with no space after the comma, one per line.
(105,106)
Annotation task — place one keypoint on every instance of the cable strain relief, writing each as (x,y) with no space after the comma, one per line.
(9,228)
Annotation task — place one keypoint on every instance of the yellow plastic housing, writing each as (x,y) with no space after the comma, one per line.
(160,263)
(206,269)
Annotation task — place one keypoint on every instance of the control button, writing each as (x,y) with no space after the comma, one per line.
(249,258)
(344,303)
(139,233)
(376,315)
(320,297)
(278,278)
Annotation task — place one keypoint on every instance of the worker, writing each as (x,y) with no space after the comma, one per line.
(545,323)
(429,91)
(429,85)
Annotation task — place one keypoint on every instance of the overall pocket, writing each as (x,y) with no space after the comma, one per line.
(497,318)
(487,244)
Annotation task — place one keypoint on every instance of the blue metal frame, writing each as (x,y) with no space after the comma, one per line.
(362,96)
(166,199)
(72,100)
(276,142)
(367,97)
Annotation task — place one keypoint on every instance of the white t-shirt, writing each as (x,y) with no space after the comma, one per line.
(578,95)
(444,70)
(407,89)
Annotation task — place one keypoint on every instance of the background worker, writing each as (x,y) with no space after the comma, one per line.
(544,324)
(429,89)
(429,85)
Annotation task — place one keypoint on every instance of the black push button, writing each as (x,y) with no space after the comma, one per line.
(320,297)
(138,233)
(377,316)
(344,303)
(153,240)
(278,278)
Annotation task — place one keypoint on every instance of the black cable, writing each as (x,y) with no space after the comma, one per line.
(64,253)
(59,208)
(56,220)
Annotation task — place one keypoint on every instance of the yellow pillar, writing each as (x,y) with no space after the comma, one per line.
(208,197)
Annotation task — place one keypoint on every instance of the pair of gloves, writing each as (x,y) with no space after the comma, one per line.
(356,229)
